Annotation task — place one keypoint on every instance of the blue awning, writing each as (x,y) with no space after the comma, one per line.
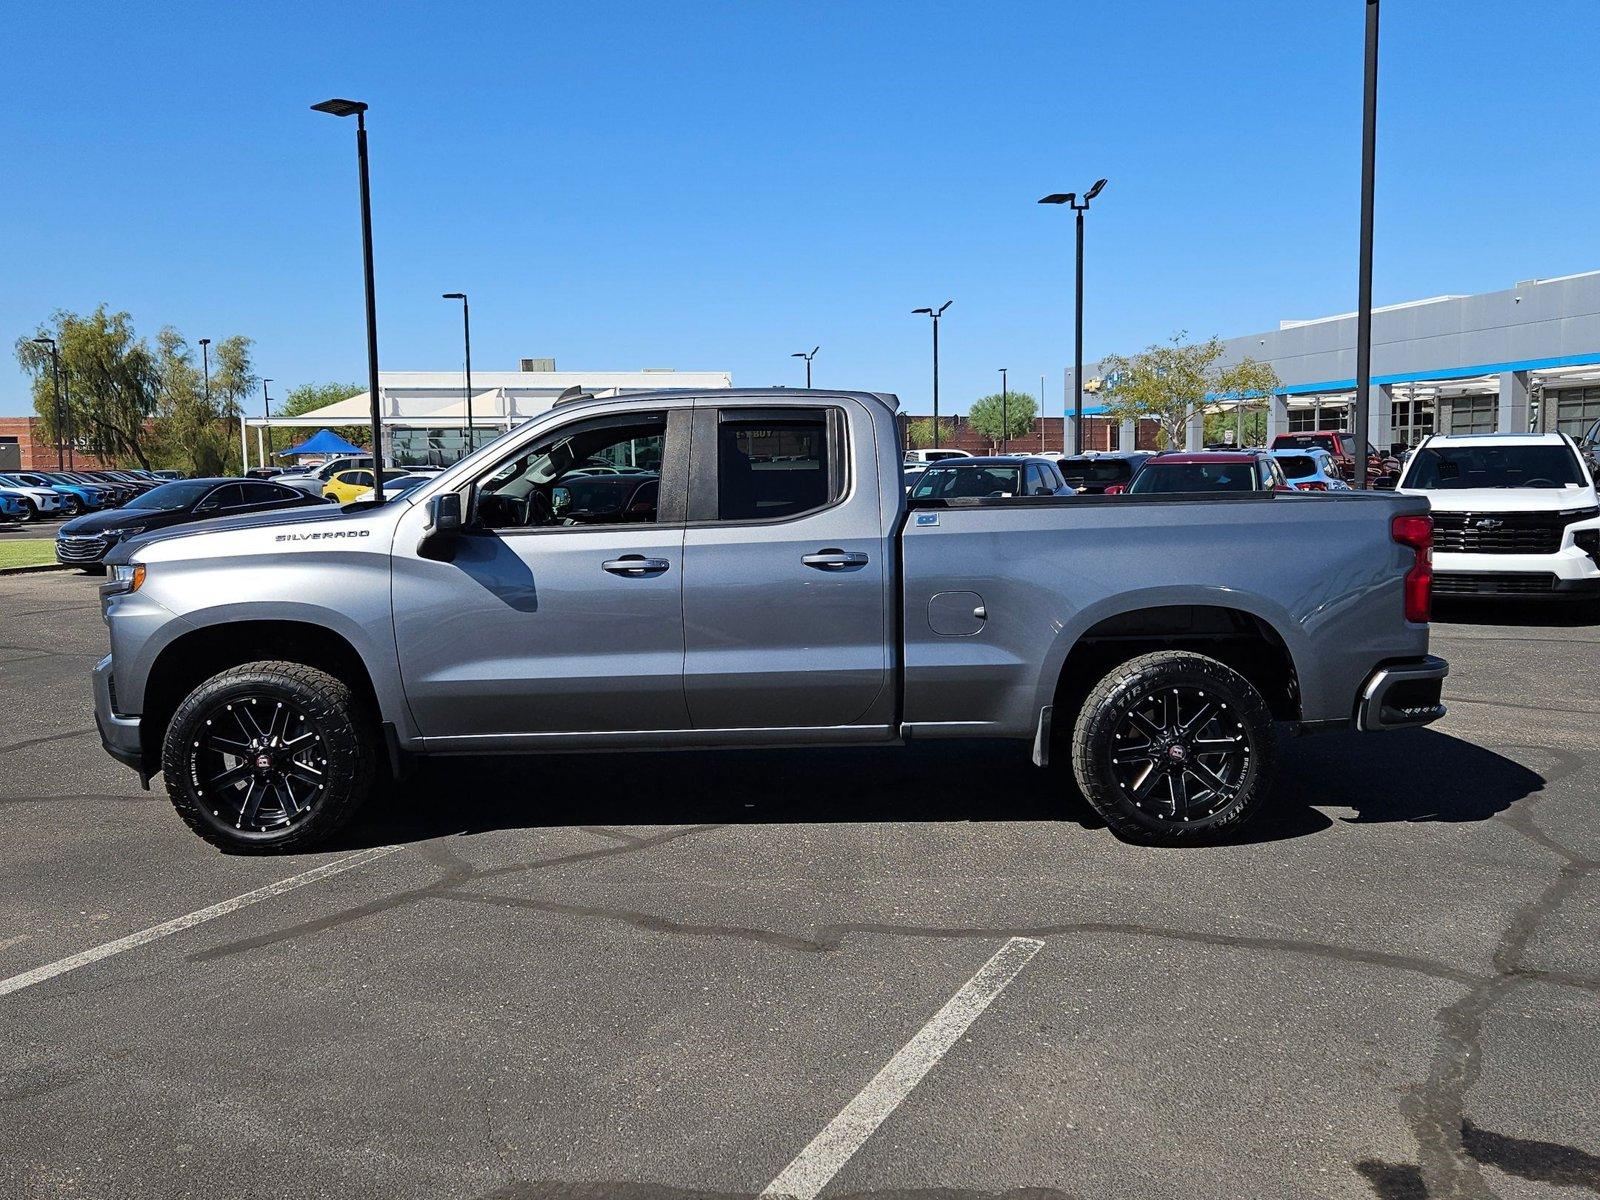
(324,441)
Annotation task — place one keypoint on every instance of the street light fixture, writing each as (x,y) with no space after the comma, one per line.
(1005,413)
(466,339)
(55,384)
(1079,206)
(935,313)
(1369,135)
(357,109)
(808,358)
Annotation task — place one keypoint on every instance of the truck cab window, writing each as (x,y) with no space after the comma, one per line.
(601,473)
(772,468)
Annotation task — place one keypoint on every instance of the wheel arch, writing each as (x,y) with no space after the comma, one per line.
(197,654)
(1241,632)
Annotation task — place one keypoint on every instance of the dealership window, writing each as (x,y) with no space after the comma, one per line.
(1576,408)
(1319,416)
(1410,421)
(1473,414)
(768,468)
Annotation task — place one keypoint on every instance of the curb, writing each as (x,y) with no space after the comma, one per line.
(36,569)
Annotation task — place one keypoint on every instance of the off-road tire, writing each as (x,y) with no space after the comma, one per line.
(344,724)
(1107,782)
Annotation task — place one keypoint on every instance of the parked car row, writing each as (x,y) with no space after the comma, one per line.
(29,495)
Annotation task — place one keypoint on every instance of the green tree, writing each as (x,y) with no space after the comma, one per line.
(919,434)
(990,417)
(191,432)
(309,397)
(110,375)
(1170,382)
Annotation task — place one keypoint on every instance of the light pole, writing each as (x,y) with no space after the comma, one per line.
(1080,207)
(1369,137)
(358,110)
(808,358)
(266,411)
(55,384)
(466,339)
(935,313)
(1041,414)
(1005,414)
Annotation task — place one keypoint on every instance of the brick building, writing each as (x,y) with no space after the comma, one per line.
(24,446)
(1099,433)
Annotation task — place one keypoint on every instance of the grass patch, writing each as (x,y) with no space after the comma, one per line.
(27,552)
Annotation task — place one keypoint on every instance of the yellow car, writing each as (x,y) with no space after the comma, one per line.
(347,485)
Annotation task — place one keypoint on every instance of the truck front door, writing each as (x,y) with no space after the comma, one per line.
(784,602)
(560,610)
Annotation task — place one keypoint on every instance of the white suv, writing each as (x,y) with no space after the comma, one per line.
(1514,514)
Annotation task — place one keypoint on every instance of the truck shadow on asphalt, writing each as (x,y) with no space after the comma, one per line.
(1408,776)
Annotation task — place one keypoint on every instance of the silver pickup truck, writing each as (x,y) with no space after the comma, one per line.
(742,569)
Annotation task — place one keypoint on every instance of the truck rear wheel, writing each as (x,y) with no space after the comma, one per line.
(268,757)
(1174,747)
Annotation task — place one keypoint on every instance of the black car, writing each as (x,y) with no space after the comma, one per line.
(84,542)
(1092,474)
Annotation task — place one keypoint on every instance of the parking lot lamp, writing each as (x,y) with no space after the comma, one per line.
(466,341)
(935,313)
(808,358)
(266,411)
(55,384)
(358,110)
(1005,414)
(1079,206)
(1369,134)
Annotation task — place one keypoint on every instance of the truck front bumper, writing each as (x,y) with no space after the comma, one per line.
(1401,695)
(118,734)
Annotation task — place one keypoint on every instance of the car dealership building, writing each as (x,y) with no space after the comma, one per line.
(1526,358)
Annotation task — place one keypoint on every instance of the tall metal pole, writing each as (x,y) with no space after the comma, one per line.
(808,371)
(66,406)
(935,381)
(466,342)
(1041,414)
(266,411)
(372,307)
(55,383)
(1369,138)
(1005,414)
(1077,347)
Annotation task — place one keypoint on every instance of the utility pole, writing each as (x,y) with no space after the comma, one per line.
(935,313)
(1369,139)
(1005,414)
(1080,207)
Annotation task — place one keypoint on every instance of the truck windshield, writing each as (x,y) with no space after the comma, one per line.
(949,483)
(1449,468)
(1193,477)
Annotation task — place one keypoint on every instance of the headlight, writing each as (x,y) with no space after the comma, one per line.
(127,578)
(123,531)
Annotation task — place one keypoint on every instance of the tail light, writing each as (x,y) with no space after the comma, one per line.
(1315,485)
(1417,533)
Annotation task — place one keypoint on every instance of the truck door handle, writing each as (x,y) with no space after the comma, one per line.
(834,560)
(635,565)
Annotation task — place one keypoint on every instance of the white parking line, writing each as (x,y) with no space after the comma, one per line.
(820,1161)
(178,924)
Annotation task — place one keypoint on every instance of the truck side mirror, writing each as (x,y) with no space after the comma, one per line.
(444,523)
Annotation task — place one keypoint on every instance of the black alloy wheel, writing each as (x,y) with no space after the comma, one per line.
(269,757)
(1179,754)
(1174,747)
(258,763)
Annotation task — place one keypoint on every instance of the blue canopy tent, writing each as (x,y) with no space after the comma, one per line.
(324,441)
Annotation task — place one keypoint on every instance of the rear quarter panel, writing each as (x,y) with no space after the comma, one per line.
(1321,570)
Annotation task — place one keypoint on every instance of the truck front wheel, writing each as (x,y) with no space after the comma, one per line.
(268,757)
(1174,747)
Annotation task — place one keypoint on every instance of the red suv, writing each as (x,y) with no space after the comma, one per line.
(1337,442)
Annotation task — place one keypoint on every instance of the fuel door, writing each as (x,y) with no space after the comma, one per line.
(956,614)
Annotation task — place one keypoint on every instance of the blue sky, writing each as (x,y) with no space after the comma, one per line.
(715,185)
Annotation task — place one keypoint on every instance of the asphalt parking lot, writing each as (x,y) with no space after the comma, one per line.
(684,976)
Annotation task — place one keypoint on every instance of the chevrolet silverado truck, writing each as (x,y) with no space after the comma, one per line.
(744,569)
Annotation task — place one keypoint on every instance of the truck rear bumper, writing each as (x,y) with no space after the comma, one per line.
(1402,695)
(118,734)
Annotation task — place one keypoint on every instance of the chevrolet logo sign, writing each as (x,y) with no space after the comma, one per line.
(1488,523)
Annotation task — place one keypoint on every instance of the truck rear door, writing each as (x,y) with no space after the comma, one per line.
(785,600)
